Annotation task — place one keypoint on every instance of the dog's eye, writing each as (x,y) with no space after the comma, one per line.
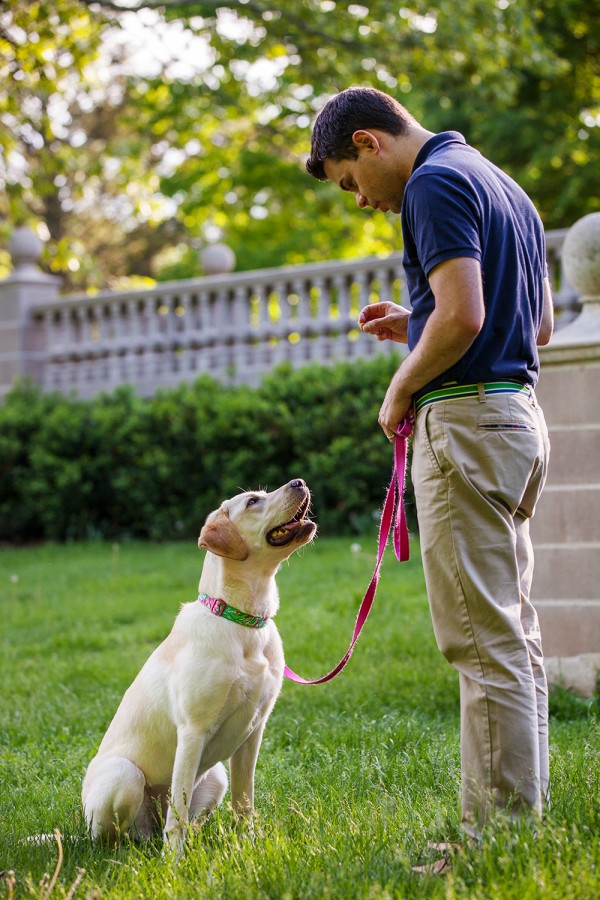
(252,501)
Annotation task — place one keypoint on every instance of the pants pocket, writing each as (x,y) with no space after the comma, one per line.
(430,436)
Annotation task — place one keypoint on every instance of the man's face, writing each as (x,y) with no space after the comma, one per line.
(374,178)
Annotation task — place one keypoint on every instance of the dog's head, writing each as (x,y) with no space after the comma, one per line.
(257,523)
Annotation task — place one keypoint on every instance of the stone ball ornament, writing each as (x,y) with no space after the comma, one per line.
(581,266)
(217,259)
(581,255)
(25,248)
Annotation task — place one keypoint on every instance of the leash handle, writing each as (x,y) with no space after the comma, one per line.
(394,498)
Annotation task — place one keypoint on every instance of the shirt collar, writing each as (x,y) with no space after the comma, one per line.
(438,140)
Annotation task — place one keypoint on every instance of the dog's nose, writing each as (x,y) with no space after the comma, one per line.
(297,484)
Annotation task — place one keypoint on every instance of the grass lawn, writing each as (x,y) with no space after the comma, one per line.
(353,779)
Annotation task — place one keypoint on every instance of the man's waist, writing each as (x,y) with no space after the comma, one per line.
(480,390)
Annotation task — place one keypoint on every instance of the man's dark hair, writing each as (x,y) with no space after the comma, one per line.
(347,112)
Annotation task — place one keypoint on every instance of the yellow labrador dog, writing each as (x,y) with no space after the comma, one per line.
(206,692)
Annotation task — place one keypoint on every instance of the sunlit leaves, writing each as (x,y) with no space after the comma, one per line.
(135,145)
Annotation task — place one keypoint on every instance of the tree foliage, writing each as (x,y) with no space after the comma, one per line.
(130,168)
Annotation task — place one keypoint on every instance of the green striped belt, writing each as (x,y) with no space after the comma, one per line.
(457,391)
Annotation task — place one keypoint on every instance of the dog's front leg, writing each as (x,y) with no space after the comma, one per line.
(190,745)
(241,772)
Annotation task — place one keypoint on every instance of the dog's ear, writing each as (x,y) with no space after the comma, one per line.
(220,536)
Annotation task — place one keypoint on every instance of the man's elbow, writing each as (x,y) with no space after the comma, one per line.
(469,326)
(546,329)
(475,324)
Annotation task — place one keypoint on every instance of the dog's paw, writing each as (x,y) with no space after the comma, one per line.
(173,841)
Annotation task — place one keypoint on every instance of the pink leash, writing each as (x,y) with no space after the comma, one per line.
(394,498)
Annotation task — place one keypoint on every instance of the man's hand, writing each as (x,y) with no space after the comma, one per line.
(386,320)
(394,408)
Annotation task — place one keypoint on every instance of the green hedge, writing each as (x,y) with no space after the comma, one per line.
(124,466)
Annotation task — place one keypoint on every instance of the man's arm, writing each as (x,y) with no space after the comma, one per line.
(450,330)
(547,323)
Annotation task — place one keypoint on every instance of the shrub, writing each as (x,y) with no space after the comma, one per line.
(125,466)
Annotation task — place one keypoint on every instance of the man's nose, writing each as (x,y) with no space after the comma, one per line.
(361,201)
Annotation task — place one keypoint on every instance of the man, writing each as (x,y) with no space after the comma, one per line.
(476,274)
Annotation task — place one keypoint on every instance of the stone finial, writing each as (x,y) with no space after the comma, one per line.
(25,249)
(581,255)
(217,259)
(581,262)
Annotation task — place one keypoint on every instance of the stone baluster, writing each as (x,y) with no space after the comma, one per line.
(146,321)
(258,316)
(182,325)
(289,348)
(199,330)
(120,342)
(131,324)
(110,362)
(366,344)
(346,343)
(218,317)
(319,342)
(342,286)
(299,341)
(89,375)
(239,314)
(263,330)
(72,346)
(386,278)
(174,355)
(82,349)
(286,325)
(161,338)
(270,329)
(53,320)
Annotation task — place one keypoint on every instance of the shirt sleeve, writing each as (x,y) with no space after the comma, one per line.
(443,214)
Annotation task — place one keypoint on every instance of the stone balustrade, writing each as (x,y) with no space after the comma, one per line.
(235,327)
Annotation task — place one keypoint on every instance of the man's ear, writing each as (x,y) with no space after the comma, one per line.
(365,140)
(221,537)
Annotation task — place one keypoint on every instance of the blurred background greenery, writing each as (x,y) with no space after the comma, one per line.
(134,133)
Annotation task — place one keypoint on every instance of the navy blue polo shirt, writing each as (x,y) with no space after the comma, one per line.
(456,204)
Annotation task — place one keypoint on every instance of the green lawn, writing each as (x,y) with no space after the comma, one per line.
(353,779)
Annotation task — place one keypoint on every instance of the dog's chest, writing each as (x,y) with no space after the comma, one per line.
(251,695)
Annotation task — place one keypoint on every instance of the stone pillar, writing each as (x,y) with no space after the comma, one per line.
(21,337)
(566,528)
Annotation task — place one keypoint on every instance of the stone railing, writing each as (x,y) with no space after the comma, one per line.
(235,327)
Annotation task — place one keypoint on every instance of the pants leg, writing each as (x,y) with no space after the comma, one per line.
(533,638)
(478,468)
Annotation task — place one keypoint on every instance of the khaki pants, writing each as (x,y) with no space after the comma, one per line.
(478,468)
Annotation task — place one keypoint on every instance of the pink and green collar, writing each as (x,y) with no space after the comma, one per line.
(224,611)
